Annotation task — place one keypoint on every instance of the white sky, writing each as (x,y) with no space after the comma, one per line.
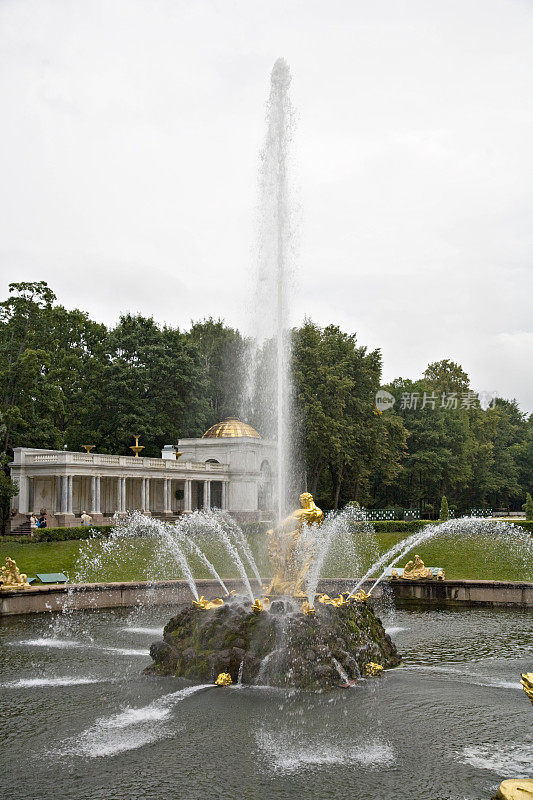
(129,153)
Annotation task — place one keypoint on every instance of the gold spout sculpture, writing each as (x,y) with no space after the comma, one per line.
(137,447)
(205,605)
(372,669)
(360,597)
(260,605)
(307,609)
(526,679)
(326,600)
(224,679)
(291,554)
(414,570)
(11,577)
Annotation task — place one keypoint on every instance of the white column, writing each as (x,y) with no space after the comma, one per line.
(92,504)
(69,494)
(123,495)
(224,495)
(57,503)
(166,496)
(64,495)
(24,494)
(143,493)
(187,495)
(147,494)
(207,494)
(97,508)
(119,495)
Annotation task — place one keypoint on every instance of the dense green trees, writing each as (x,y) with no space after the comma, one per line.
(67,380)
(345,439)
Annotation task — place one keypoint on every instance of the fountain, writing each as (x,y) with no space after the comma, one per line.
(304,646)
(286,632)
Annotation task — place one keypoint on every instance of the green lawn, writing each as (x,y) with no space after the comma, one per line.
(136,559)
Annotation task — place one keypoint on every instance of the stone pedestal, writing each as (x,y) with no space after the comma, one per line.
(63,520)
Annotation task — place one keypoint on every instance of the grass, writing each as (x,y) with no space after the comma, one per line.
(136,559)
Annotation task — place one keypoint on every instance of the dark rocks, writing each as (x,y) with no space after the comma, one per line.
(282,647)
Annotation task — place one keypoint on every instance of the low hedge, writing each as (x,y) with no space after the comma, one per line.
(404,527)
(399,526)
(414,525)
(66,534)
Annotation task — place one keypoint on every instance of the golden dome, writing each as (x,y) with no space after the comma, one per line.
(231,428)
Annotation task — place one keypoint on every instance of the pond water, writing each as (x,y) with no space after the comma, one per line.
(81,721)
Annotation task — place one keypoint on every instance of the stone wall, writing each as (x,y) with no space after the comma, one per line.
(39,599)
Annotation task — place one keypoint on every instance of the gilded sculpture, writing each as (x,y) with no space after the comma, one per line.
(205,605)
(526,679)
(291,553)
(224,679)
(414,570)
(259,605)
(11,577)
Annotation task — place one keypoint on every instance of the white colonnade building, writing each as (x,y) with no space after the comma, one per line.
(229,468)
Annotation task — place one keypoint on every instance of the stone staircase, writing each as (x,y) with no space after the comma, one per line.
(20,529)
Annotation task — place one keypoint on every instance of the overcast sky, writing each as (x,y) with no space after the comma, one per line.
(129,155)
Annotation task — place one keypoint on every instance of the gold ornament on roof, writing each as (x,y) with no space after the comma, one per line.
(11,577)
(137,447)
(231,428)
(88,447)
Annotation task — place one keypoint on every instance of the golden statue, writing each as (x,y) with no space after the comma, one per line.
(11,577)
(290,554)
(414,570)
(307,609)
(205,605)
(372,669)
(224,679)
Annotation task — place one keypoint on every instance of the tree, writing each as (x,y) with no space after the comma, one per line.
(447,376)
(343,435)
(154,385)
(444,511)
(222,353)
(528,507)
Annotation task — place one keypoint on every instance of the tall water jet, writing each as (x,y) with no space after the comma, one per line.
(270,379)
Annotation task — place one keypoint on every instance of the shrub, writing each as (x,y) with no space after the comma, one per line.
(444,515)
(528,507)
(66,534)
(399,526)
